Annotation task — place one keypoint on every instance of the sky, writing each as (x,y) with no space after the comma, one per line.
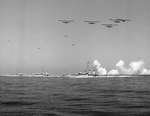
(32,39)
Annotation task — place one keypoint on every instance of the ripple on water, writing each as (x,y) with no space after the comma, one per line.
(74,97)
(17,103)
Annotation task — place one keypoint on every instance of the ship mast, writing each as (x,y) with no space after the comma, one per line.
(88,67)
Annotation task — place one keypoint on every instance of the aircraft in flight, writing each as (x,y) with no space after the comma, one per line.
(116,20)
(92,22)
(66,21)
(39,48)
(119,20)
(109,25)
(8,41)
(124,20)
(66,36)
(73,44)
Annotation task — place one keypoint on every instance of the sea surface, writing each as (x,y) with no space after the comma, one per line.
(26,96)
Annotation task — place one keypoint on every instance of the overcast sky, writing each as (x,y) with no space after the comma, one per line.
(32,39)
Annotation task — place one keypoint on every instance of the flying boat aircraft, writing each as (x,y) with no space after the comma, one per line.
(39,48)
(66,21)
(73,44)
(109,25)
(115,20)
(119,20)
(124,20)
(66,36)
(92,22)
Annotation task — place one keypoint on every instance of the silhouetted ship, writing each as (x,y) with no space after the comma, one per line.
(88,73)
(42,74)
(13,75)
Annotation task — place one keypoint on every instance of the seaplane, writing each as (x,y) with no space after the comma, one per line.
(66,21)
(115,20)
(66,36)
(38,48)
(73,44)
(109,25)
(92,22)
(119,20)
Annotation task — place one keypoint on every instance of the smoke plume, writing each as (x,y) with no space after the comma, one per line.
(113,72)
(100,70)
(135,67)
(121,68)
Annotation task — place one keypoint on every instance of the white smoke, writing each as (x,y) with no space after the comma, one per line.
(121,68)
(100,70)
(135,67)
(113,72)
(145,71)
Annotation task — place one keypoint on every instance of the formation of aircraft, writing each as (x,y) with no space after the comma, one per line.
(119,20)
(109,25)
(66,21)
(92,22)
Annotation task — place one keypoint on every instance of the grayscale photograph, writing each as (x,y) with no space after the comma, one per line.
(74,58)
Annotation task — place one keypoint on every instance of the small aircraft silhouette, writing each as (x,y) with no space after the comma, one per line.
(66,21)
(119,20)
(124,20)
(109,25)
(66,36)
(116,20)
(39,48)
(73,44)
(8,41)
(92,22)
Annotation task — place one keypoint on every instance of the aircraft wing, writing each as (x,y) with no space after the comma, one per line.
(92,21)
(67,20)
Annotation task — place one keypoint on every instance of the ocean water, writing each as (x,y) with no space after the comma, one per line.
(24,96)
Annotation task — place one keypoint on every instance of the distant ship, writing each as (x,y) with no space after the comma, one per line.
(103,76)
(93,74)
(42,74)
(13,75)
(86,74)
(80,75)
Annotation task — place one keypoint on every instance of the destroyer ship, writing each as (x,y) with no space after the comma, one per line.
(88,73)
(13,75)
(92,75)
(42,74)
